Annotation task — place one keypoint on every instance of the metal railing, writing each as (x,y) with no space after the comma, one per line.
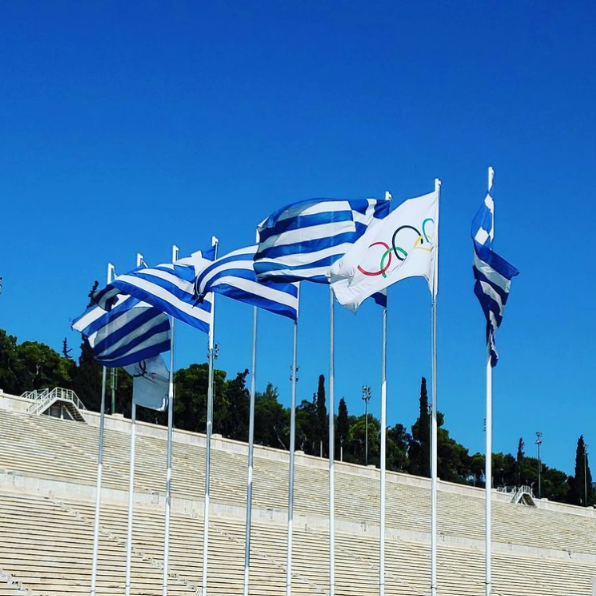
(44,398)
(512,490)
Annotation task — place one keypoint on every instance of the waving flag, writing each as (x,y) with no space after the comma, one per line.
(130,332)
(302,241)
(170,288)
(234,276)
(150,383)
(492,273)
(402,245)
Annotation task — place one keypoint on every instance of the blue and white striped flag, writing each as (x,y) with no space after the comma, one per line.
(169,287)
(130,332)
(302,241)
(492,273)
(234,276)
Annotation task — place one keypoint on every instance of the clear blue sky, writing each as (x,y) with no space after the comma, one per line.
(130,126)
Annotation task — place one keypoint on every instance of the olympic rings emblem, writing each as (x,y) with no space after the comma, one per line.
(423,241)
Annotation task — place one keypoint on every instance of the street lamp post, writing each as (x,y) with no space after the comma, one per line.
(366,395)
(538,443)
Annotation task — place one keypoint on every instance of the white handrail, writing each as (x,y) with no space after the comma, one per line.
(42,399)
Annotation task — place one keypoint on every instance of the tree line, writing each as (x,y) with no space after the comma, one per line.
(34,365)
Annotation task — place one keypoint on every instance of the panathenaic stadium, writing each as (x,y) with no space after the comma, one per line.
(47,494)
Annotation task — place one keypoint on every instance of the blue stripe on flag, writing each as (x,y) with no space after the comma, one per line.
(234,276)
(492,273)
(303,240)
(169,288)
(129,333)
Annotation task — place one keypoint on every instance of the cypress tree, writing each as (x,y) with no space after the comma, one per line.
(582,489)
(519,461)
(420,445)
(322,415)
(343,426)
(424,428)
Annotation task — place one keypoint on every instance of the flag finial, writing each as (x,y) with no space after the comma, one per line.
(491,177)
(111,272)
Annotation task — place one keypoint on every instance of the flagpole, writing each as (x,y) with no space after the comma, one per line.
(166,548)
(251,436)
(209,432)
(332,445)
(383,443)
(292,450)
(383,453)
(489,441)
(131,480)
(102,413)
(434,425)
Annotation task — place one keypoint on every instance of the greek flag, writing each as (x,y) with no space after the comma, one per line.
(302,241)
(234,276)
(170,288)
(492,273)
(130,332)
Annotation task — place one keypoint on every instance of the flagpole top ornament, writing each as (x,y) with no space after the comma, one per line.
(140,259)
(111,272)
(175,251)
(437,184)
(214,240)
(491,176)
(388,196)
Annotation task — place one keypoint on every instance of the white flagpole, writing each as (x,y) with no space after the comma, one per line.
(383,443)
(383,453)
(434,426)
(332,445)
(251,438)
(102,413)
(131,483)
(209,432)
(166,546)
(489,441)
(131,480)
(292,450)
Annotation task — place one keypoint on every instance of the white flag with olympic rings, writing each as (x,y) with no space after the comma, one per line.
(403,244)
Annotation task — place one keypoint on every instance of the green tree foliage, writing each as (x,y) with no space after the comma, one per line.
(519,462)
(234,422)
(32,365)
(86,378)
(477,467)
(504,470)
(190,398)
(582,491)
(453,458)
(342,432)
(420,444)
(357,440)
(398,442)
(306,425)
(9,365)
(39,367)
(323,432)
(272,420)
